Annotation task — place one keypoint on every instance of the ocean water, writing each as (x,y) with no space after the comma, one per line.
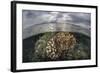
(82,50)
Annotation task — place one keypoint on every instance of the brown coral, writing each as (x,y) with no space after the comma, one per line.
(60,42)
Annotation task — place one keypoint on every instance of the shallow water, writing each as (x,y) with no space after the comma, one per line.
(81,51)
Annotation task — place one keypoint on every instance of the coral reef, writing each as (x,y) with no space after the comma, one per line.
(56,46)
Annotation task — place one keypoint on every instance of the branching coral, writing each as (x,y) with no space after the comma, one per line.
(59,43)
(55,45)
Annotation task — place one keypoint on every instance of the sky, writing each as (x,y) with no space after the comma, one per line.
(33,17)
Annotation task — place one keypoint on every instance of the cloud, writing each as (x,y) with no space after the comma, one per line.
(32,17)
(80,18)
